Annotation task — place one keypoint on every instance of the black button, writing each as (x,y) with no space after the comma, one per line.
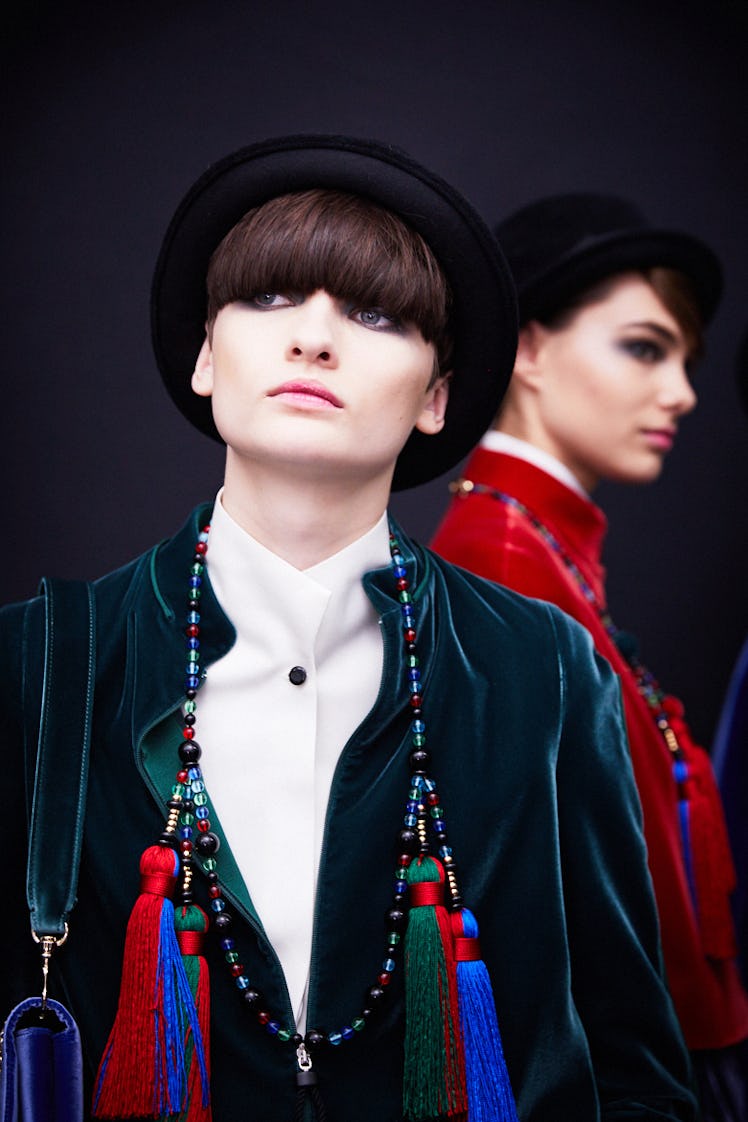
(297,675)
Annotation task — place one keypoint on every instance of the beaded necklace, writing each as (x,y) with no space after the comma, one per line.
(189,815)
(157,1061)
(646,684)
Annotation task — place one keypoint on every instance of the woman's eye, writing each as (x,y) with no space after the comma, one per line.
(645,350)
(269,300)
(376,318)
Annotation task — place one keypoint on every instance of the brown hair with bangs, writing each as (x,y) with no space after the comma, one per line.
(344,244)
(673,288)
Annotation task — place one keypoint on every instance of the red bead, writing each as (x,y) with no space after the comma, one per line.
(410,635)
(204,825)
(186,847)
(404,860)
(182,777)
(192,631)
(384,979)
(402,584)
(415,701)
(237,969)
(214,891)
(188,733)
(201,547)
(263,1018)
(432,798)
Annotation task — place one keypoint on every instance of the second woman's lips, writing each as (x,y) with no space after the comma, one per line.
(307,389)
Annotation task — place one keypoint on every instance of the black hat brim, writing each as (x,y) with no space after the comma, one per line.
(596,258)
(484,313)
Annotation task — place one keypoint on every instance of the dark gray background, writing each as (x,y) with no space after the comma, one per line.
(109,115)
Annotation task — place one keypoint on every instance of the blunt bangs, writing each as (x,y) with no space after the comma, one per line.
(345,244)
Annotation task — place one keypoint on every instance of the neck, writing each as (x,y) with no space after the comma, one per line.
(523,426)
(301,519)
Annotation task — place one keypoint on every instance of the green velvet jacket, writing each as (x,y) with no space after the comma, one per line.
(528,748)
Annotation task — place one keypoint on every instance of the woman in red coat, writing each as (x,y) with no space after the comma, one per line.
(611,316)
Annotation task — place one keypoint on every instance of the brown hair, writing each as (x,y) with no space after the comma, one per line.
(673,288)
(345,244)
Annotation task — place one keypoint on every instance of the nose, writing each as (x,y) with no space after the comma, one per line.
(313,331)
(677,395)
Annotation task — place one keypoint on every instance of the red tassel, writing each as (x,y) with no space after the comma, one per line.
(142,1072)
(191,924)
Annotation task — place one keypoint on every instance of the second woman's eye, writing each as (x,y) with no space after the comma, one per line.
(645,350)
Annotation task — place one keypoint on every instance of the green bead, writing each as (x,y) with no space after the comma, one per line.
(200,799)
(437,812)
(404,597)
(284,1034)
(413,661)
(232,956)
(190,706)
(419,739)
(177,790)
(393,939)
(195,593)
(188,819)
(197,569)
(210,864)
(358,1023)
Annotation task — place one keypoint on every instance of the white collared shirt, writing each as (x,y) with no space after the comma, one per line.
(270,747)
(496,441)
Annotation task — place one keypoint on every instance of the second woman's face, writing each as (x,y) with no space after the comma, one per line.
(612,385)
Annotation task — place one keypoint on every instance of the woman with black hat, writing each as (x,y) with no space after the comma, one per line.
(611,314)
(326,739)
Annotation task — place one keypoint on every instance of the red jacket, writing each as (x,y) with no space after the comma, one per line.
(498,541)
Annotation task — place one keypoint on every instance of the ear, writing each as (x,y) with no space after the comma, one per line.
(528,365)
(202,376)
(433,414)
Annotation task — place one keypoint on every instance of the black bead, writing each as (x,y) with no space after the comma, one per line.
(223,921)
(252,997)
(168,840)
(408,839)
(297,675)
(395,918)
(313,1038)
(188,806)
(189,751)
(419,758)
(375,994)
(207,844)
(189,719)
(212,878)
(297,1039)
(190,694)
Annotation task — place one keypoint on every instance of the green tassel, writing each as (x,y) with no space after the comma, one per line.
(434,1081)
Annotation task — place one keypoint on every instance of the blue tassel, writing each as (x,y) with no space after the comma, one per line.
(490,1097)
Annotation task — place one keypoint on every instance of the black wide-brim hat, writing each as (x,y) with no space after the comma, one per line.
(484,311)
(561,245)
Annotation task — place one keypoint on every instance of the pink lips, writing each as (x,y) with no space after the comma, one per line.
(661,439)
(312,394)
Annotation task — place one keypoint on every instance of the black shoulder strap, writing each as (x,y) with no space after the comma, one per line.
(61,773)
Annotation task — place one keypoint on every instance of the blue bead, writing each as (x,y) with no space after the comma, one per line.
(414,675)
(228,944)
(242,982)
(418,725)
(194,773)
(440,826)
(272,1027)
(218,905)
(186,832)
(192,681)
(334,1038)
(193,644)
(412,806)
(401,887)
(415,687)
(400,571)
(193,617)
(198,785)
(347,1032)
(202,536)
(202,812)
(411,820)
(389,965)
(195,582)
(445,850)
(193,670)
(429,784)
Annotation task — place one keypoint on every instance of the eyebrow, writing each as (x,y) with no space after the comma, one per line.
(663,332)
